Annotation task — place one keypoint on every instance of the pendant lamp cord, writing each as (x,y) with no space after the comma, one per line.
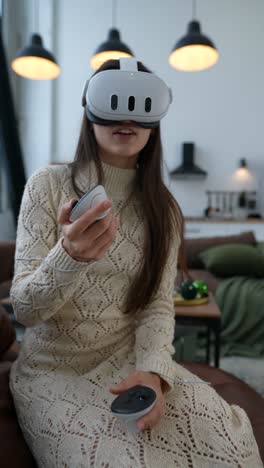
(113,13)
(194,9)
(36,15)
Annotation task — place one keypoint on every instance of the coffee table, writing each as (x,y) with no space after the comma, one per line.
(208,315)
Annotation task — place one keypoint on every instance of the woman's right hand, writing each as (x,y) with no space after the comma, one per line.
(86,239)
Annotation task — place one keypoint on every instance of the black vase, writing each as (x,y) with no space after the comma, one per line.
(242,200)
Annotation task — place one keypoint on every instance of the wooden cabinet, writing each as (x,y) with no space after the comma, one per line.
(200,227)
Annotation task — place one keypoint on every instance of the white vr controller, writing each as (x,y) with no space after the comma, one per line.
(139,400)
(89,200)
(132,404)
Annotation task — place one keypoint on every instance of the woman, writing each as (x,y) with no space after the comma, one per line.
(96,298)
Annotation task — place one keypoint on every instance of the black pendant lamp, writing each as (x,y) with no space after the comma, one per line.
(33,61)
(113,48)
(243,163)
(195,51)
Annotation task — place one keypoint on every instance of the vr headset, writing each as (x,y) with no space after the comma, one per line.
(113,96)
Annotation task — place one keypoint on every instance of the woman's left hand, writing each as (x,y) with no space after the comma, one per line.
(148,379)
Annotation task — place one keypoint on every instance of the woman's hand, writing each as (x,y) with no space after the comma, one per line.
(87,239)
(149,380)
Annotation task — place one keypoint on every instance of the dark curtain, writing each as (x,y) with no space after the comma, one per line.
(10,147)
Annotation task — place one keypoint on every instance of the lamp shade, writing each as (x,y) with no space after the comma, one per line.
(194,51)
(113,48)
(35,62)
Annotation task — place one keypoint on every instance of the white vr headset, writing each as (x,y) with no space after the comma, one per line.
(112,96)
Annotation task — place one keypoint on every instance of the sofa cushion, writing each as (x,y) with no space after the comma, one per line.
(194,246)
(233,260)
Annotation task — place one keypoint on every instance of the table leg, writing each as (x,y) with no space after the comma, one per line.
(217,329)
(208,344)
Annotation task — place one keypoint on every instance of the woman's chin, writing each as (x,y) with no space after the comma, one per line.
(125,150)
(123,158)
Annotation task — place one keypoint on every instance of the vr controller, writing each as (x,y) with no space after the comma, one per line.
(132,404)
(139,400)
(89,200)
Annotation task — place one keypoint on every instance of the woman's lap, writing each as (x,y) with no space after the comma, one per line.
(67,423)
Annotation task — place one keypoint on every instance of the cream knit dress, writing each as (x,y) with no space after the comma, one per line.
(78,343)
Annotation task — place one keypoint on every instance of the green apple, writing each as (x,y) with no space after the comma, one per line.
(202,288)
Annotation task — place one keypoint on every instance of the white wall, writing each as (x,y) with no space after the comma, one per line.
(33,99)
(220,109)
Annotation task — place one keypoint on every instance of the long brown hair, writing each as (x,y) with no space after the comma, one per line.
(161,212)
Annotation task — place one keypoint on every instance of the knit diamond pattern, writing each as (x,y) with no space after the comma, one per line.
(79,342)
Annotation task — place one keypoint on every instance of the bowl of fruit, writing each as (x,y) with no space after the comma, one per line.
(191,293)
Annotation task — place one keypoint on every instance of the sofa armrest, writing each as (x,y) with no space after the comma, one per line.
(7,333)
(7,258)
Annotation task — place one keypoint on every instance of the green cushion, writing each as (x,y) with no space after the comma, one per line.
(260,247)
(233,260)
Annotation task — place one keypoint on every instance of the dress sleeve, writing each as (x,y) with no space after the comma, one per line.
(155,326)
(45,275)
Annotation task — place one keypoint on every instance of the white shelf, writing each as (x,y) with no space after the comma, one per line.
(212,228)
